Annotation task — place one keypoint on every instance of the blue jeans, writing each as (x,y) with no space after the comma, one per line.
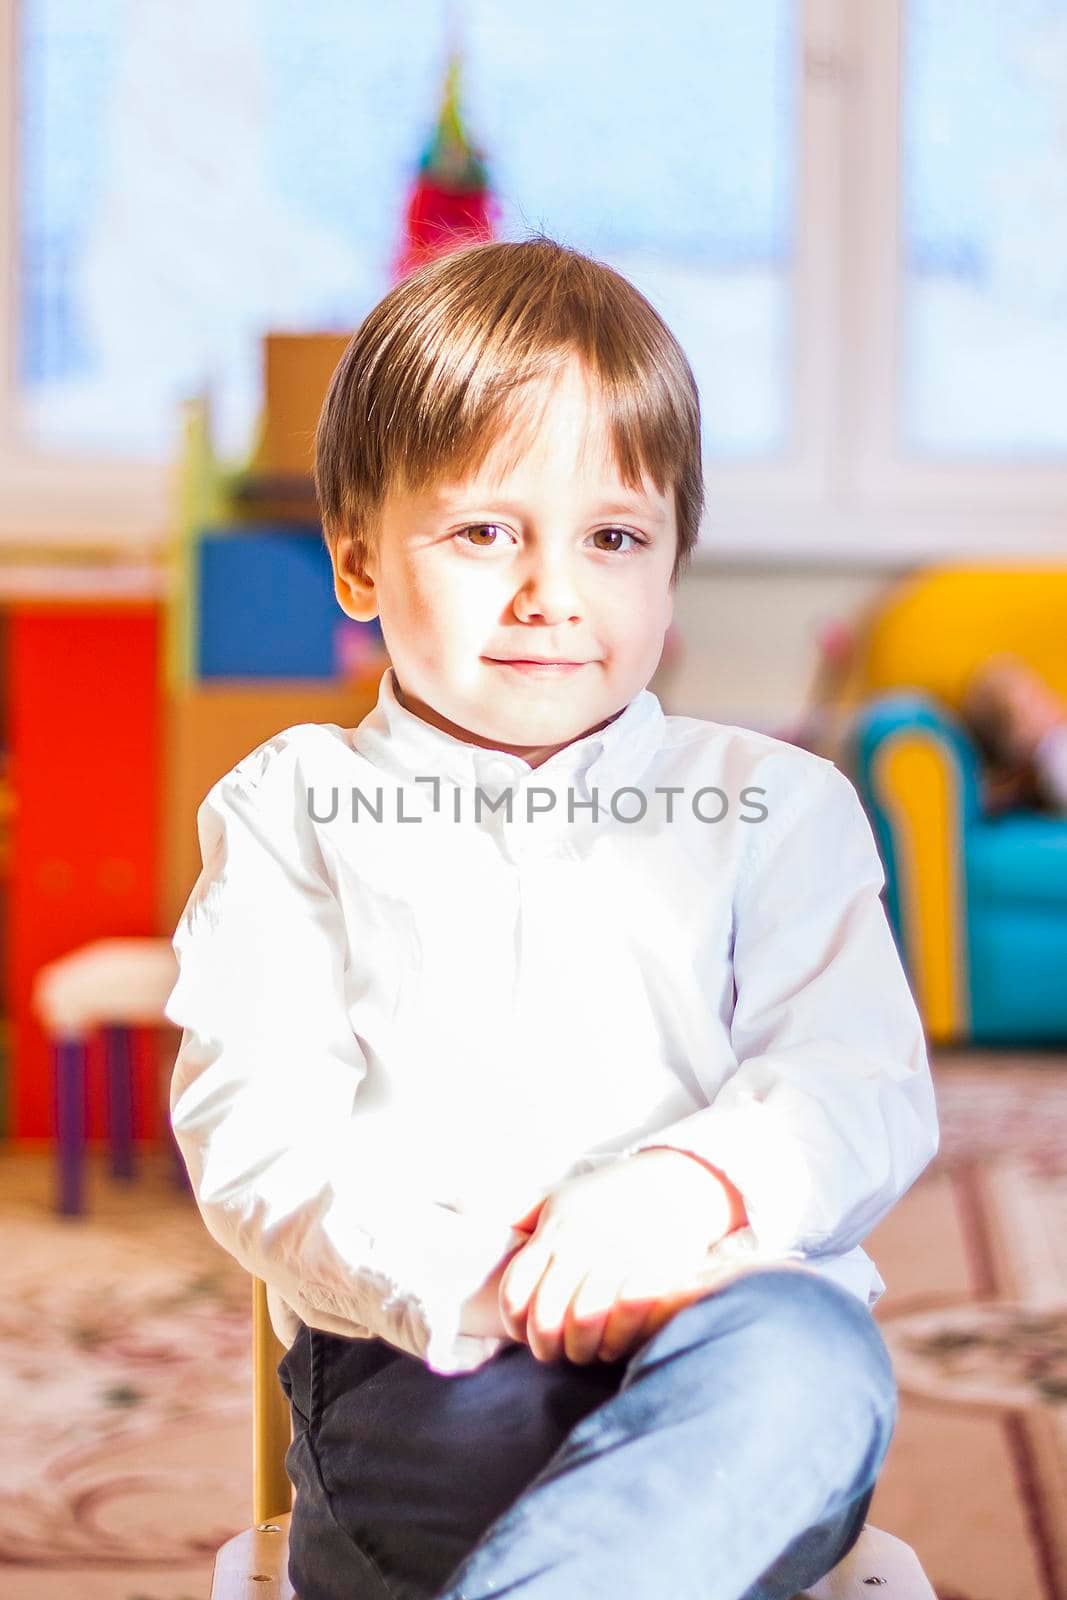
(733,1456)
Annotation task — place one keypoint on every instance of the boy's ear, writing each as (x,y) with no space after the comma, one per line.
(353,586)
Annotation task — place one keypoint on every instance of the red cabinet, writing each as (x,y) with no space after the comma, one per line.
(84,728)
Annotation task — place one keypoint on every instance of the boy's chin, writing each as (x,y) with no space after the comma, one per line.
(530,733)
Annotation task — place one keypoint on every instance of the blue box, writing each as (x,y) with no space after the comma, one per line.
(266,605)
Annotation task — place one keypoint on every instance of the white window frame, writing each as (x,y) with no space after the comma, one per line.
(839,494)
(1011,509)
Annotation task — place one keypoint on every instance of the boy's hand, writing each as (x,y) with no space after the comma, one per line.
(480,1312)
(614,1253)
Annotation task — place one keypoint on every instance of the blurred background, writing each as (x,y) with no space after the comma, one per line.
(854,217)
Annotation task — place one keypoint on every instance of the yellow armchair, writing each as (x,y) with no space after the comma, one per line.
(977,907)
(939,624)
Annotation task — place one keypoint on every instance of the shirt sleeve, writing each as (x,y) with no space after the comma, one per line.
(289,1174)
(830,1115)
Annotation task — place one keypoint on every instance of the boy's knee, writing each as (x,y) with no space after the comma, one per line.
(834,1335)
(805,1334)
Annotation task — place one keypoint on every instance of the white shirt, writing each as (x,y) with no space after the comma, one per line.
(398,1034)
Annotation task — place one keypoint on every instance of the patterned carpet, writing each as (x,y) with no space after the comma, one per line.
(124,1385)
(124,1389)
(976,1318)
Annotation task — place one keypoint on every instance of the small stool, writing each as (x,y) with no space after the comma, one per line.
(114,985)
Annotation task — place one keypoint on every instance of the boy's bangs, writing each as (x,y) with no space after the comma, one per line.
(488,426)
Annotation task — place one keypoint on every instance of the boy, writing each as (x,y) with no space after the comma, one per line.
(548,1057)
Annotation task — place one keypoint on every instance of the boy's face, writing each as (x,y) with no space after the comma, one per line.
(542,560)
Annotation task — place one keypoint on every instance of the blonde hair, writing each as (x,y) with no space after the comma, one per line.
(424,391)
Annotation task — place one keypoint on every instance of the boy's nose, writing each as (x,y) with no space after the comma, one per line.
(548,592)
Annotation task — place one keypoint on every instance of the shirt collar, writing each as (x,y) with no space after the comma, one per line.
(403,746)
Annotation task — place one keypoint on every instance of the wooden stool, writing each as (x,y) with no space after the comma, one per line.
(257,1560)
(114,985)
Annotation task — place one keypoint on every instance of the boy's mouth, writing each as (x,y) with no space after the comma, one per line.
(539,668)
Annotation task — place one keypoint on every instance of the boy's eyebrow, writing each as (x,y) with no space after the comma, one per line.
(622,508)
(606,508)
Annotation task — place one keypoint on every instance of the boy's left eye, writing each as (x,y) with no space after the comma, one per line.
(617,533)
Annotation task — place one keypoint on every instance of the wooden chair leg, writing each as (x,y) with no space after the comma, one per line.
(272,1431)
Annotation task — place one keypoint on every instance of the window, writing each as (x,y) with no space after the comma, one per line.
(848,213)
(193,174)
(985,230)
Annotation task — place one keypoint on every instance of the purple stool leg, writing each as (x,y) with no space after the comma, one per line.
(119,1099)
(68,1059)
(180,1171)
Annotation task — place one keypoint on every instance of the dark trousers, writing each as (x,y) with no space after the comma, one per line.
(733,1456)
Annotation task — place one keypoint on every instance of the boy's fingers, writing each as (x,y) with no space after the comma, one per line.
(522,1275)
(663,1310)
(624,1324)
(548,1309)
(517,1285)
(657,1315)
(588,1314)
(639,1313)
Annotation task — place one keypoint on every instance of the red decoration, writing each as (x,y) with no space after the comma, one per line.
(451,203)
